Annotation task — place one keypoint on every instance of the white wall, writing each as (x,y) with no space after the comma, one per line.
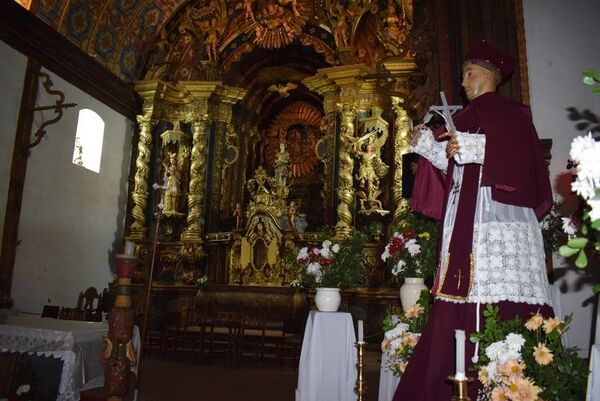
(12,66)
(71,218)
(562,40)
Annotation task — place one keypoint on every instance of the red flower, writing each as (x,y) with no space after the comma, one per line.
(409,233)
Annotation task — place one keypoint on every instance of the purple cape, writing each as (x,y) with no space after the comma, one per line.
(514,165)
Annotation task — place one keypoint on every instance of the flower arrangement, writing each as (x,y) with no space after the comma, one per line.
(333,265)
(412,250)
(522,361)
(583,228)
(402,333)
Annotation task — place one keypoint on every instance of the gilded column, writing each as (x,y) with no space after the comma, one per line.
(197,183)
(345,188)
(401,128)
(140,194)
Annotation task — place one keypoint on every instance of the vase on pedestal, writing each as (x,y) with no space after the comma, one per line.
(410,291)
(328,299)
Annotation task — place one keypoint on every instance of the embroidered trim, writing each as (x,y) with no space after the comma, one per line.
(456,297)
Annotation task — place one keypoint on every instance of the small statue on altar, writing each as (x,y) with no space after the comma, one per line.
(171,185)
(371,167)
(238,213)
(282,164)
(291,215)
(341,28)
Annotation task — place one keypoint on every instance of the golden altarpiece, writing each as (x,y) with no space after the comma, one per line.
(262,122)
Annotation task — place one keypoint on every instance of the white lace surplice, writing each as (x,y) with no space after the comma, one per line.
(508,249)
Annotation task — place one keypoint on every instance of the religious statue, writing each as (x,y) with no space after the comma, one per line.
(238,213)
(282,164)
(371,168)
(291,215)
(171,185)
(212,39)
(341,28)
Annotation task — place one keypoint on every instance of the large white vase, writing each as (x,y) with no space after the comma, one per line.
(410,291)
(328,299)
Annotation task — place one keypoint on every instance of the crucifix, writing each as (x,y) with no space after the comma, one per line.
(459,276)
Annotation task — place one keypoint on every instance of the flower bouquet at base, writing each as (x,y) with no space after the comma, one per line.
(333,265)
(412,251)
(402,333)
(526,361)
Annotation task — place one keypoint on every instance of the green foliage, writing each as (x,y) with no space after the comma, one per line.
(564,378)
(344,268)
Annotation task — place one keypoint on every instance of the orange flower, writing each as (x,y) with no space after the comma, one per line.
(521,389)
(551,324)
(499,394)
(534,322)
(409,340)
(414,311)
(542,355)
(402,366)
(483,376)
(511,368)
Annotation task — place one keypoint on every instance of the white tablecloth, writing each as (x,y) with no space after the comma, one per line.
(387,381)
(78,344)
(327,370)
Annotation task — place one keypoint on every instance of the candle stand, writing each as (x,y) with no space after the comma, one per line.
(460,388)
(360,387)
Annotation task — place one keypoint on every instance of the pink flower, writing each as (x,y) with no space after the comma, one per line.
(551,324)
(414,311)
(534,322)
(499,394)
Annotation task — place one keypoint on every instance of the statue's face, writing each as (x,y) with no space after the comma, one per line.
(477,81)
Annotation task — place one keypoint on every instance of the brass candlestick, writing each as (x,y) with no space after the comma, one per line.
(460,388)
(360,387)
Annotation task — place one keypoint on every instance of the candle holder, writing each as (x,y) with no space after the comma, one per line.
(460,388)
(360,389)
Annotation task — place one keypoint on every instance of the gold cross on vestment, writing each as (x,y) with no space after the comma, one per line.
(459,277)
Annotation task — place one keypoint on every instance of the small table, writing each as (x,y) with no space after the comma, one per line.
(78,344)
(387,381)
(327,370)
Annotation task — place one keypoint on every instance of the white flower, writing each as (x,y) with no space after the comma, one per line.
(396,331)
(515,341)
(399,267)
(313,268)
(386,253)
(580,146)
(568,227)
(398,235)
(494,350)
(413,248)
(326,244)
(325,253)
(303,254)
(595,205)
(295,283)
(492,369)
(22,389)
(335,248)
(316,251)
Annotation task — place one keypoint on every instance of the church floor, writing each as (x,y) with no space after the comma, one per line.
(168,380)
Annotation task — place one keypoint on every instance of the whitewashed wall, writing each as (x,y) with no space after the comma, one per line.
(12,68)
(71,217)
(562,40)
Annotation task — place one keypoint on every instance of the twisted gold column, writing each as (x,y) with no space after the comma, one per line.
(402,128)
(137,230)
(345,189)
(196,194)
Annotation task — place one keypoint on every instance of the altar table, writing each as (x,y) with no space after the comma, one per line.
(78,344)
(327,370)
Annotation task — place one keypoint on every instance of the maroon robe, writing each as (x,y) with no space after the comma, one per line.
(515,170)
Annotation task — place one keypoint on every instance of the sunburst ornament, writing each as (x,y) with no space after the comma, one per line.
(279,23)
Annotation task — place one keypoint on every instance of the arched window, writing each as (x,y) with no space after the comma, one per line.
(88,140)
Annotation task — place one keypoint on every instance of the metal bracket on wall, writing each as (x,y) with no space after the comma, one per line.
(57,107)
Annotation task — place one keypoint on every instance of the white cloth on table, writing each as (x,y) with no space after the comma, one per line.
(327,370)
(78,344)
(387,381)
(593,387)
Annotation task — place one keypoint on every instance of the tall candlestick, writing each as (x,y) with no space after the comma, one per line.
(129,248)
(460,355)
(360,332)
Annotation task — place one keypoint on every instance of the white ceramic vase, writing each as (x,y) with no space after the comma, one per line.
(410,291)
(328,299)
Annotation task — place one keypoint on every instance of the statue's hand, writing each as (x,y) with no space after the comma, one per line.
(415,135)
